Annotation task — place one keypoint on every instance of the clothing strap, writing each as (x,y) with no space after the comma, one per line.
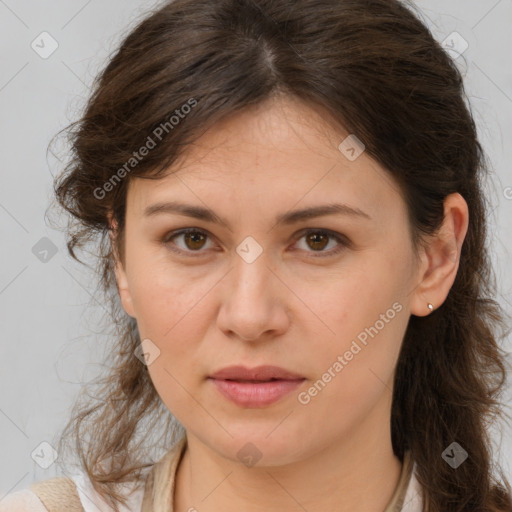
(58,494)
(160,481)
(397,500)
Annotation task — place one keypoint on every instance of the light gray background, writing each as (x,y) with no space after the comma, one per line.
(49,342)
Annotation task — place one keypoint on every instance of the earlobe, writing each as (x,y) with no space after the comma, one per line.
(440,258)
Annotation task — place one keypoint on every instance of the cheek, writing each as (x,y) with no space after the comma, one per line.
(367,310)
(355,373)
(166,297)
(173,316)
(352,300)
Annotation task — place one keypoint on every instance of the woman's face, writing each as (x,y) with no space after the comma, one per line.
(324,297)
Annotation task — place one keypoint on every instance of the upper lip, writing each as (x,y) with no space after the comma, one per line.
(263,373)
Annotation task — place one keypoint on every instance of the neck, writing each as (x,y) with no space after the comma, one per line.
(356,472)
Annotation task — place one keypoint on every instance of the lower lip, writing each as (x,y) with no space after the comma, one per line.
(250,394)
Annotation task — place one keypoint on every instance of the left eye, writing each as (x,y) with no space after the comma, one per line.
(194,240)
(319,240)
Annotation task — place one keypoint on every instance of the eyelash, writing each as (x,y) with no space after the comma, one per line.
(343,241)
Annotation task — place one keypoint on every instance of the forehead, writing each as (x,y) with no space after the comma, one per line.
(276,154)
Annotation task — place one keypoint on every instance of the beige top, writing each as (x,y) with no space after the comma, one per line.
(156,492)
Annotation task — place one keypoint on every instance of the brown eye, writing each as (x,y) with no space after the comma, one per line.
(314,242)
(317,241)
(193,240)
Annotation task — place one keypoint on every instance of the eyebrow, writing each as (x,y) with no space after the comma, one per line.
(292,217)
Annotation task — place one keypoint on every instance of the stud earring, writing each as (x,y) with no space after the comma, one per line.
(430,307)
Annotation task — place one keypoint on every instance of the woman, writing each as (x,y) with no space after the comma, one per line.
(293,239)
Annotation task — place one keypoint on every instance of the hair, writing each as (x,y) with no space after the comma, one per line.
(376,68)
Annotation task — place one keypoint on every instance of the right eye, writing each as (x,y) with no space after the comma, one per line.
(193,239)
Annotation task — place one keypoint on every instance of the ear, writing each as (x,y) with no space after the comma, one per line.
(121,277)
(440,257)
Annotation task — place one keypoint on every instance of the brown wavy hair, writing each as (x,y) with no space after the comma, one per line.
(375,66)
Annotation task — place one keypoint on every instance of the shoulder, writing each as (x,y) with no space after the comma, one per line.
(92,501)
(22,501)
(75,492)
(58,493)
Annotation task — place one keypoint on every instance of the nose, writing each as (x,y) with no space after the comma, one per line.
(253,301)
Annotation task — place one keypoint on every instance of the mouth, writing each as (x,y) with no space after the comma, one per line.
(256,387)
(255,380)
(258,374)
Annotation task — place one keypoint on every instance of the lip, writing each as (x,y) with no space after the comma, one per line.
(255,387)
(263,373)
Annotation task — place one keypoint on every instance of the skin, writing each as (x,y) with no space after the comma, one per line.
(209,309)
